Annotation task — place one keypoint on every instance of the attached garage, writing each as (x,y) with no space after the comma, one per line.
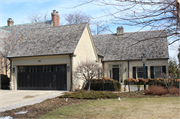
(43,77)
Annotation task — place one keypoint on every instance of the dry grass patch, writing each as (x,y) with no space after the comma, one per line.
(142,108)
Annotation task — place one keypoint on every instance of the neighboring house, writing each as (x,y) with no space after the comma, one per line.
(46,58)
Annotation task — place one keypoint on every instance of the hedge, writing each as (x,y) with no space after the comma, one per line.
(149,81)
(106,85)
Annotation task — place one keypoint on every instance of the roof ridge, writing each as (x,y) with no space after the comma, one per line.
(131,32)
(26,23)
(58,26)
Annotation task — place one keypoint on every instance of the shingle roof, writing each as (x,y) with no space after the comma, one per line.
(99,52)
(130,46)
(49,41)
(17,30)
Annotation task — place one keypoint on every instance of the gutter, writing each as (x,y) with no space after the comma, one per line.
(42,55)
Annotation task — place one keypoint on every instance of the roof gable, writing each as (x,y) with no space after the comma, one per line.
(49,41)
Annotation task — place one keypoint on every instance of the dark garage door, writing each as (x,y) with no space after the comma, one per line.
(47,77)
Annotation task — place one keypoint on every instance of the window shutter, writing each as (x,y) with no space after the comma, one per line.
(146,72)
(164,69)
(134,72)
(152,71)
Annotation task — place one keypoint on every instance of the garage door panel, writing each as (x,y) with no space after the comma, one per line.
(47,77)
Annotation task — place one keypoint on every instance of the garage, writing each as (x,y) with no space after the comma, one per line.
(43,77)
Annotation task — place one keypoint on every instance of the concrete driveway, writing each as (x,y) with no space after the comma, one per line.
(14,99)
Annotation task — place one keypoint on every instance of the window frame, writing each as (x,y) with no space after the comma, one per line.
(155,73)
(137,73)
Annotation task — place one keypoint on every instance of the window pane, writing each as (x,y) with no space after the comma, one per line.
(115,65)
(140,73)
(157,72)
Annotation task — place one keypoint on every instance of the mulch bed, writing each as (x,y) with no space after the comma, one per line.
(36,110)
(39,109)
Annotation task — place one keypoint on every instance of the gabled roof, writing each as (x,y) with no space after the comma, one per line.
(49,41)
(130,46)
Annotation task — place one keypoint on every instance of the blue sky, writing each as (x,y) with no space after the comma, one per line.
(19,10)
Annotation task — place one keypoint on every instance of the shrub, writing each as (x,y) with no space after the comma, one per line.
(4,82)
(156,90)
(108,85)
(174,90)
(116,85)
(89,95)
(159,83)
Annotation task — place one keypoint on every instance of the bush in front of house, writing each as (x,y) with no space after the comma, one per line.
(4,82)
(156,90)
(159,83)
(116,85)
(174,90)
(169,82)
(106,85)
(90,95)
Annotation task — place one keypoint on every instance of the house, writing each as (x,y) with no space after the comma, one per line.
(45,58)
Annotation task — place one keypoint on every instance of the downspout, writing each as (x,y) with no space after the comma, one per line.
(103,67)
(70,56)
(128,68)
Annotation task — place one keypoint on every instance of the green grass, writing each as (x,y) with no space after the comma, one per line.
(127,108)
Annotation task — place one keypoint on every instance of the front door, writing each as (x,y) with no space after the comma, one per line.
(116,74)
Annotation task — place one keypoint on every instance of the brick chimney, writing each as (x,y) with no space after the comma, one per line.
(55,18)
(120,30)
(10,22)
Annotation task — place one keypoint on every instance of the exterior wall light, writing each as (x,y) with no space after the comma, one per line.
(13,69)
(68,67)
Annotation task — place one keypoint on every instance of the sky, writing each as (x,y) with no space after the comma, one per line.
(20,10)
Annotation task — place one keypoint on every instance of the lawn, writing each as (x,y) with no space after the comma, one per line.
(126,108)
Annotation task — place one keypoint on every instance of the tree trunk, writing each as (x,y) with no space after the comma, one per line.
(89,85)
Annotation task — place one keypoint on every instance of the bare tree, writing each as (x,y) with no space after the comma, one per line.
(77,17)
(99,27)
(151,14)
(37,17)
(87,71)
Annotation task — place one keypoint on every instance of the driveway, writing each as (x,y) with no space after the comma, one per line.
(14,99)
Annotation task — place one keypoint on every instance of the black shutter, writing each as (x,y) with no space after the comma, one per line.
(146,72)
(152,71)
(164,69)
(134,72)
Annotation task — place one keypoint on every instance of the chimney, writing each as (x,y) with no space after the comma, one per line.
(55,18)
(120,30)
(10,22)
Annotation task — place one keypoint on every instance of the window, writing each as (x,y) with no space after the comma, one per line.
(21,69)
(115,66)
(157,72)
(140,73)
